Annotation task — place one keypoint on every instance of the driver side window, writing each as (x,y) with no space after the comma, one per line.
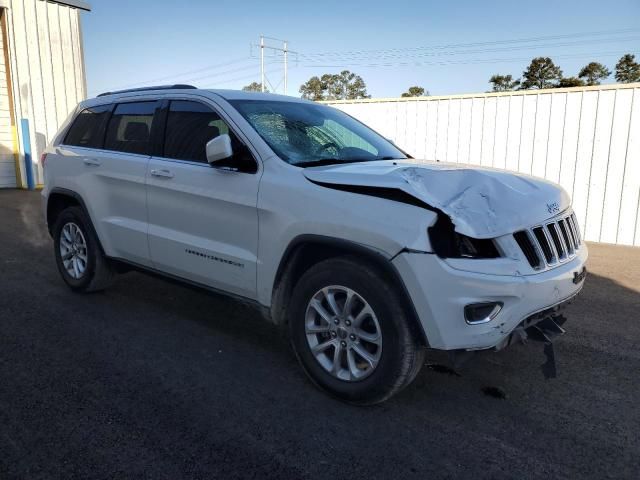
(190,125)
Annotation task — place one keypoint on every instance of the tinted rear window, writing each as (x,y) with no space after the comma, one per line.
(87,129)
(129,129)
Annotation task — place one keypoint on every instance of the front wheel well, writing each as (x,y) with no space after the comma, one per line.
(306,252)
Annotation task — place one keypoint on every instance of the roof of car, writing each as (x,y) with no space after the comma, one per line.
(244,95)
(226,94)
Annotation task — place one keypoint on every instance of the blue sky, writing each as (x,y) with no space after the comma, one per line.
(392,45)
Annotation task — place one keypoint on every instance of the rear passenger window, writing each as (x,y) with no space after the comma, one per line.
(130,128)
(190,125)
(87,129)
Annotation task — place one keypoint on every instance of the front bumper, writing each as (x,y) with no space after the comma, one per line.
(440,292)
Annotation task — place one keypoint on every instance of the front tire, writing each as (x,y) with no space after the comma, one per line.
(79,257)
(351,333)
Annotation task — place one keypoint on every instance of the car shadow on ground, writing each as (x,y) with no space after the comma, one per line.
(484,371)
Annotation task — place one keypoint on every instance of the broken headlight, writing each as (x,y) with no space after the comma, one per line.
(447,243)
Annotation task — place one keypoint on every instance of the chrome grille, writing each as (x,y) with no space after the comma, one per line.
(551,243)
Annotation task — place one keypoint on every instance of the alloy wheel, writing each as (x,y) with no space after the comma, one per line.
(73,250)
(343,333)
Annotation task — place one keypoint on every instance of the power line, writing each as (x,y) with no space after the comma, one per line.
(457,62)
(472,44)
(181,74)
(407,54)
(255,75)
(223,74)
(355,58)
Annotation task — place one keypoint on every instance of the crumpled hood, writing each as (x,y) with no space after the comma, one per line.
(481,202)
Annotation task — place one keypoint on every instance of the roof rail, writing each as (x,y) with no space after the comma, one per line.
(157,87)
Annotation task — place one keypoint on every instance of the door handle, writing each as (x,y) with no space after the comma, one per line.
(91,162)
(162,173)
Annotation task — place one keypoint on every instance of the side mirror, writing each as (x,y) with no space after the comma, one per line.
(219,149)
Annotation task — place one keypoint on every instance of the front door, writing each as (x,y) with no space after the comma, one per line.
(203,221)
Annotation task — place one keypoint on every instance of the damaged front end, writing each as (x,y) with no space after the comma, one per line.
(499,247)
(542,327)
(447,243)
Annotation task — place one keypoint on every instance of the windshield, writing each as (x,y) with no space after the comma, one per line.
(305,134)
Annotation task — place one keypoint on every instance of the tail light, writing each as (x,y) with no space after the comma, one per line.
(43,159)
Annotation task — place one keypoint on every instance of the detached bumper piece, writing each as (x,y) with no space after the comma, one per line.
(542,327)
(545,331)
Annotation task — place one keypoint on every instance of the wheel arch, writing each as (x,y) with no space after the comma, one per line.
(61,198)
(307,250)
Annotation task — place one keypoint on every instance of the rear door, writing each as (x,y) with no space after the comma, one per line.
(112,178)
(203,221)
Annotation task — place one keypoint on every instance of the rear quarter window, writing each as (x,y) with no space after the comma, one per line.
(87,130)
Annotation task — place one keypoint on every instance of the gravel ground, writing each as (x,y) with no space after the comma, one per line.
(155,380)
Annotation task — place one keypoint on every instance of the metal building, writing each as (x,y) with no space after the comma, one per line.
(42,78)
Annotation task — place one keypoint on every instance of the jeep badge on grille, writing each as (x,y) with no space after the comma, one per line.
(553,207)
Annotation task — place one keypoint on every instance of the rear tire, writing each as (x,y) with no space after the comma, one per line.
(79,256)
(350,332)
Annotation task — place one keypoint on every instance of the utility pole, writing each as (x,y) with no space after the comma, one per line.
(276,50)
(285,67)
(262,63)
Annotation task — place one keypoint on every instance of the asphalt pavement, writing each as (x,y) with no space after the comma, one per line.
(156,380)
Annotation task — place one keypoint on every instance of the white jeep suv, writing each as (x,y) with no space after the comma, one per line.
(367,256)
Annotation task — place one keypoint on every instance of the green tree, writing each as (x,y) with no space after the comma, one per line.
(415,92)
(503,83)
(335,86)
(627,69)
(593,73)
(356,88)
(313,89)
(254,87)
(345,85)
(541,73)
(570,82)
